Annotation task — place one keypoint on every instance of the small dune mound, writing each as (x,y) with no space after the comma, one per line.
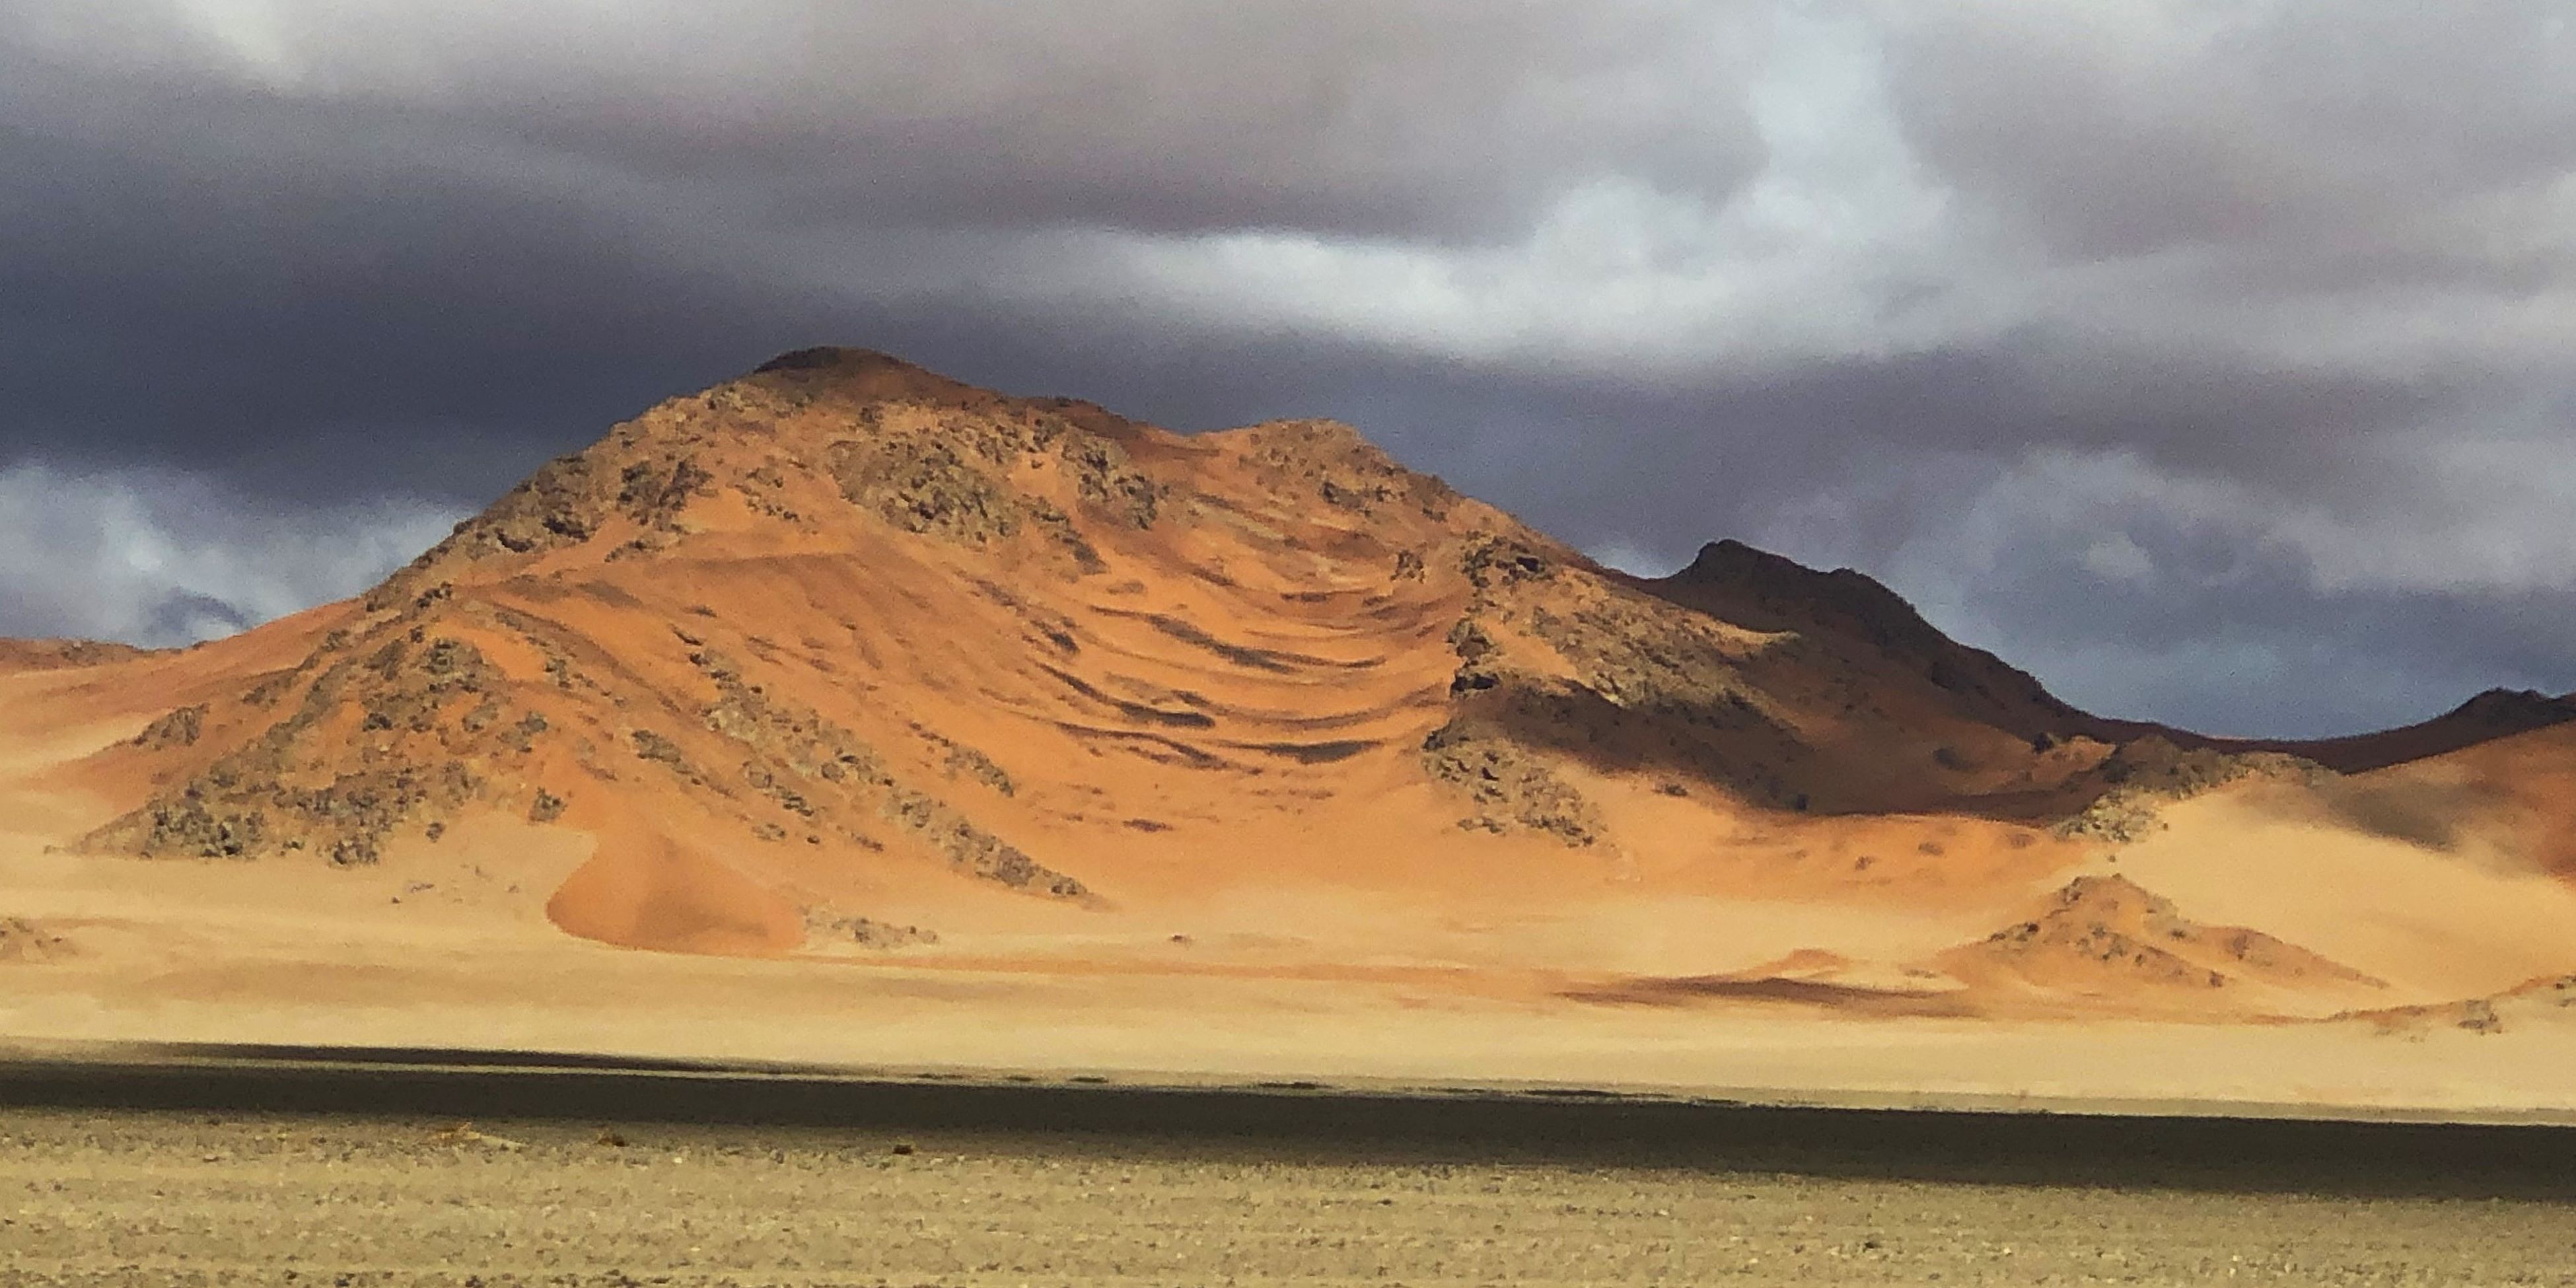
(31,942)
(668,897)
(2548,1000)
(2103,936)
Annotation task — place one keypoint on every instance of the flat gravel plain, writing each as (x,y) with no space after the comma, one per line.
(157,1198)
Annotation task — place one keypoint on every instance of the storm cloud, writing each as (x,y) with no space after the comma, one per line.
(2218,362)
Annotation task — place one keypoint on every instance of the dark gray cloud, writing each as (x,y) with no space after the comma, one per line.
(152,556)
(1168,116)
(2325,134)
(2219,362)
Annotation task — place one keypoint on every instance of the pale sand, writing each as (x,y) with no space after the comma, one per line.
(1301,970)
(264,953)
(2438,925)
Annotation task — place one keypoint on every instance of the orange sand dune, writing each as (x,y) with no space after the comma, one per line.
(2105,936)
(844,662)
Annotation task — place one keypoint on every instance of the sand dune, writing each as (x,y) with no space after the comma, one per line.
(2104,936)
(850,665)
(2435,921)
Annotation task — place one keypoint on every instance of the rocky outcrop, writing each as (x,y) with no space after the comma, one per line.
(818,770)
(925,488)
(385,737)
(1510,788)
(826,930)
(2136,779)
(180,728)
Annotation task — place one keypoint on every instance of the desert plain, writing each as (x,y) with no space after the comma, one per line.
(238,1198)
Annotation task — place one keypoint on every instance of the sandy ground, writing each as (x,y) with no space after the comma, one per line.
(448,946)
(2453,921)
(438,949)
(143,1198)
(1467,968)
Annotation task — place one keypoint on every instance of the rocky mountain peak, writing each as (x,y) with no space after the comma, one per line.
(860,375)
(802,448)
(1857,615)
(839,359)
(2515,709)
(1764,584)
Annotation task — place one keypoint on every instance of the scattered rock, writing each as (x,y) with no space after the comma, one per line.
(967,762)
(465,1134)
(27,942)
(2141,776)
(793,743)
(2479,1016)
(924,487)
(1512,789)
(1106,479)
(180,728)
(546,808)
(825,928)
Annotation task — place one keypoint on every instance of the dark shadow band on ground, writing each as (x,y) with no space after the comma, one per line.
(1308,1123)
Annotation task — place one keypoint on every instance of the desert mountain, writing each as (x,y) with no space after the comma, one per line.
(845,655)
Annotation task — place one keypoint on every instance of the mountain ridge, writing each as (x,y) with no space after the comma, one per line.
(845,642)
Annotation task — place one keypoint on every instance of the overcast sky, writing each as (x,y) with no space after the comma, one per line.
(2213,359)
